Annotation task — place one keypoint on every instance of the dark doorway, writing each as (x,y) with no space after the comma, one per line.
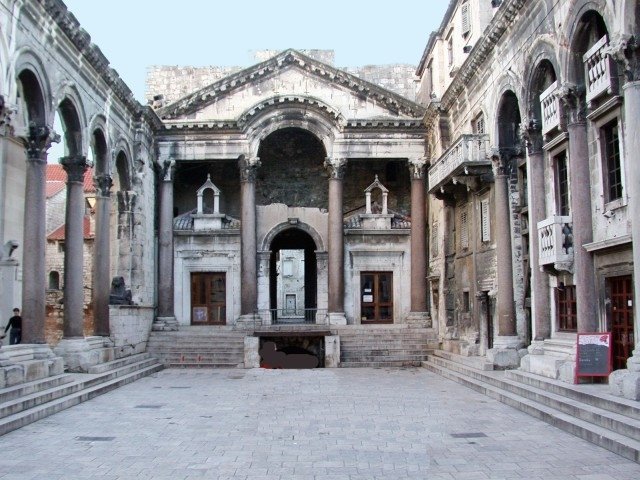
(620,318)
(293,280)
(208,298)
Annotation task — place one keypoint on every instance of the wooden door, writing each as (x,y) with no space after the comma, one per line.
(620,312)
(376,297)
(208,298)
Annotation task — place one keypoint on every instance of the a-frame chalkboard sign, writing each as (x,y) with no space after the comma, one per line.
(593,355)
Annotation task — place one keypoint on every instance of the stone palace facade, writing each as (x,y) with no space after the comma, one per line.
(486,196)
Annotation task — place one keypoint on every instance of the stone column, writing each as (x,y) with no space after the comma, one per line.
(33,265)
(336,168)
(248,262)
(419,314)
(74,166)
(126,200)
(504,353)
(166,319)
(540,310)
(101,255)
(580,192)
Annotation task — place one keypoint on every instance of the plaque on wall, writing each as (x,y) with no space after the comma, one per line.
(367,298)
(200,315)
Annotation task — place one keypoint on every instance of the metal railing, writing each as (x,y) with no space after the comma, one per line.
(291,316)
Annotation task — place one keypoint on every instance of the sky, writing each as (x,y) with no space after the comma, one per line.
(135,34)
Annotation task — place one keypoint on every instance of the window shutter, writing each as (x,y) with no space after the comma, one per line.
(465,13)
(464,229)
(486,221)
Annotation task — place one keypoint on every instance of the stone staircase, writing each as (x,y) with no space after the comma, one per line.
(203,347)
(385,346)
(26,403)
(587,411)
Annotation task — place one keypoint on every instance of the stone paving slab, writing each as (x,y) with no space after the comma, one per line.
(324,424)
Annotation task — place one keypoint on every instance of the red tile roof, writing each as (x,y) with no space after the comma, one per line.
(55,173)
(54,187)
(58,233)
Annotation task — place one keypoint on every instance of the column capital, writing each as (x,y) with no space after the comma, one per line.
(336,167)
(417,167)
(531,135)
(624,49)
(573,97)
(103,183)
(39,139)
(498,162)
(6,117)
(75,166)
(248,168)
(167,169)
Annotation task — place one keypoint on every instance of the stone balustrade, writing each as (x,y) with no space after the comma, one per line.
(551,108)
(468,150)
(599,70)
(555,240)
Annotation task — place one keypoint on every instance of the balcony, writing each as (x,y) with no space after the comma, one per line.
(466,158)
(599,71)
(551,109)
(555,243)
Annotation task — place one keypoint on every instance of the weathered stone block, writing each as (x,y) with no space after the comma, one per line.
(56,366)
(332,351)
(615,382)
(35,370)
(13,375)
(631,386)
(503,358)
(251,352)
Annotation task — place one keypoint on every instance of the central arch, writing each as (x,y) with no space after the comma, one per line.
(293,284)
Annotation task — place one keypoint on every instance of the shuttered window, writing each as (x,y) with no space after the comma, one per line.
(485,221)
(465,13)
(464,229)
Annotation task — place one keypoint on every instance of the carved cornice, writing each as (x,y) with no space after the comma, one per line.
(295,100)
(103,184)
(336,167)
(75,166)
(286,59)
(248,168)
(503,19)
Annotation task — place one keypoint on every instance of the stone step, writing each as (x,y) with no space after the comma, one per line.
(23,389)
(479,363)
(83,387)
(614,432)
(384,358)
(77,383)
(381,364)
(203,365)
(121,362)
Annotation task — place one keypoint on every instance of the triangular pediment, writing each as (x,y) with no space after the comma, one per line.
(294,78)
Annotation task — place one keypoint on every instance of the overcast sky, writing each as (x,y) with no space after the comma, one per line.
(134,34)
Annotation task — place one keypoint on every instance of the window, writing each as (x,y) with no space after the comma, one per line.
(465,14)
(562,184)
(485,221)
(54,280)
(478,126)
(566,311)
(464,229)
(450,48)
(612,169)
(466,302)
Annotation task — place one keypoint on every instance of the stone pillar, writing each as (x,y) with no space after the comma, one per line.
(627,382)
(540,310)
(126,200)
(33,265)
(166,319)
(336,168)
(504,353)
(419,314)
(580,192)
(101,255)
(248,262)
(74,166)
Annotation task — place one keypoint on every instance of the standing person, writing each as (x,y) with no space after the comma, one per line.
(15,323)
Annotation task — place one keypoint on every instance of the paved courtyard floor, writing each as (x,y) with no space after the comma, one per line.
(300,424)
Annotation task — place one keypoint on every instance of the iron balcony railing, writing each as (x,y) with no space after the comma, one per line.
(599,70)
(468,150)
(291,316)
(555,240)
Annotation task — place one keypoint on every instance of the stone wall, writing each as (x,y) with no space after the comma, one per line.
(130,327)
(399,78)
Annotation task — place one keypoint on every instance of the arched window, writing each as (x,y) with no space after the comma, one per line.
(54,280)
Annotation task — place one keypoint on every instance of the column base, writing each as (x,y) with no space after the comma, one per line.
(79,355)
(626,383)
(505,352)
(551,358)
(419,320)
(165,324)
(248,321)
(337,318)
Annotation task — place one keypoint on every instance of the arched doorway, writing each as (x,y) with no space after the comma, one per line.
(293,283)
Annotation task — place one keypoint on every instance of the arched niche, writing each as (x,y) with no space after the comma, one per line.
(508,123)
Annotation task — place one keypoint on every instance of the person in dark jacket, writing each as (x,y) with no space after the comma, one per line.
(15,324)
